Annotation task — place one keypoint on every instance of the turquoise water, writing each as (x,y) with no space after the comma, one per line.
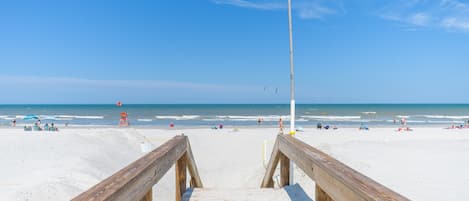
(242,114)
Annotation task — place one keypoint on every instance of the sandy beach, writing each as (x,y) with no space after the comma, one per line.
(60,165)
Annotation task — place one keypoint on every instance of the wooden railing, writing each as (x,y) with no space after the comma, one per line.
(135,182)
(334,180)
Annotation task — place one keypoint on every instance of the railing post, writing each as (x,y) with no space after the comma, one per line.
(284,170)
(148,196)
(321,195)
(181,166)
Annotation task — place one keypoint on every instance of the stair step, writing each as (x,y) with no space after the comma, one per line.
(255,194)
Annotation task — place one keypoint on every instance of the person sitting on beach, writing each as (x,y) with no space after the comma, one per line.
(220,126)
(327,127)
(319,125)
(363,127)
(46,127)
(37,127)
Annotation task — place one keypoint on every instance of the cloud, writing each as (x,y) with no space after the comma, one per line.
(419,19)
(305,9)
(455,23)
(254,5)
(447,14)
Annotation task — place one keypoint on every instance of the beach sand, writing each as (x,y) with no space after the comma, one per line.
(426,164)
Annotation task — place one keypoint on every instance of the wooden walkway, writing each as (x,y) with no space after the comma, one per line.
(334,180)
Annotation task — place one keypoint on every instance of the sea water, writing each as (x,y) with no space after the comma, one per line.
(241,114)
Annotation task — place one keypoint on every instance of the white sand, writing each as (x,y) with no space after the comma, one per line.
(426,164)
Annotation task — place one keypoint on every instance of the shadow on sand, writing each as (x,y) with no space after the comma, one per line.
(296,193)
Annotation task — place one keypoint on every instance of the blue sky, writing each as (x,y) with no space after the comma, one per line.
(233,51)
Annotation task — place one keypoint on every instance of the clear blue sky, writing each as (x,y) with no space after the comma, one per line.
(233,51)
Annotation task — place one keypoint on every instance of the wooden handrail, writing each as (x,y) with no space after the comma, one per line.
(334,180)
(135,181)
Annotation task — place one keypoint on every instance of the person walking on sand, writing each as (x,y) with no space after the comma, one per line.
(280,125)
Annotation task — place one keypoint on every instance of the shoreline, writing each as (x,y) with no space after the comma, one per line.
(228,126)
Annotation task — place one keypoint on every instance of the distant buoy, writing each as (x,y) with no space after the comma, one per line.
(119,104)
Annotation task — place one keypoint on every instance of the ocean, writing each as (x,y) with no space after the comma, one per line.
(346,115)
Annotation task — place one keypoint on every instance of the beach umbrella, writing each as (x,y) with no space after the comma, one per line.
(30,117)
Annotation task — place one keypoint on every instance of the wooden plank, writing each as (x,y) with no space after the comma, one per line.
(257,194)
(339,181)
(284,170)
(268,182)
(180,177)
(148,196)
(134,181)
(321,195)
(195,181)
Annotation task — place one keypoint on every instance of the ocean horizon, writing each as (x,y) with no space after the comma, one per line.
(344,115)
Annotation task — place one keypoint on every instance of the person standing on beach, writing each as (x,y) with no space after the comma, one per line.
(280,125)
(13,123)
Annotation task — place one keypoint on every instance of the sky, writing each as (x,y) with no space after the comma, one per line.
(233,51)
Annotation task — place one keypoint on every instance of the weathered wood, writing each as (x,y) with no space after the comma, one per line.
(321,195)
(230,194)
(284,170)
(148,196)
(137,179)
(339,181)
(268,181)
(181,177)
(195,181)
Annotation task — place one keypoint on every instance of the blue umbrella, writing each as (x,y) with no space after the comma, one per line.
(30,117)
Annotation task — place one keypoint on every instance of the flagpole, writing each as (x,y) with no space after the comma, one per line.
(292,80)
(292,86)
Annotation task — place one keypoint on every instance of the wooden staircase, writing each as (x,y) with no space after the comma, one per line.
(334,180)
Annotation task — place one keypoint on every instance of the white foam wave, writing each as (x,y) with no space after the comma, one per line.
(368,112)
(145,120)
(402,116)
(445,122)
(255,118)
(63,119)
(324,117)
(5,117)
(79,117)
(416,121)
(444,117)
(47,117)
(215,119)
(180,117)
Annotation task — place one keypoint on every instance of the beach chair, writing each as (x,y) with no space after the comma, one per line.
(28,128)
(37,128)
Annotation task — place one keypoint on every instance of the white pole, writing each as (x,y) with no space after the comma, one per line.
(292,80)
(292,87)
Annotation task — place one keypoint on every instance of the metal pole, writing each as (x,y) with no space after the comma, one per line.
(292,88)
(292,80)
